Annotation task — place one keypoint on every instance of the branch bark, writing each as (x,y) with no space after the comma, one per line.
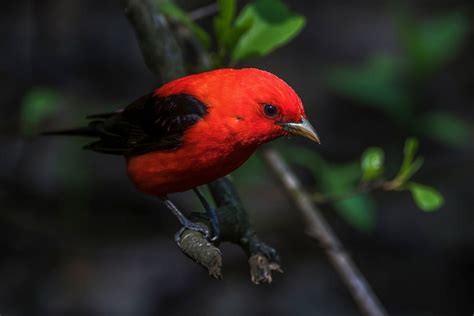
(164,57)
(159,47)
(319,230)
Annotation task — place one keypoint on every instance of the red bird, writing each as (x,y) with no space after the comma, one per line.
(196,129)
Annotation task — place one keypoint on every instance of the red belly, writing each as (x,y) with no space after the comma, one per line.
(160,173)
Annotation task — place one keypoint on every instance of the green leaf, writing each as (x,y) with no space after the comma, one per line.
(172,10)
(272,25)
(372,163)
(375,84)
(223,24)
(434,42)
(409,152)
(358,211)
(37,105)
(426,198)
(408,172)
(446,128)
(410,165)
(227,33)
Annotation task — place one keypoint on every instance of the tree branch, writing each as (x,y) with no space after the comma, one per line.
(160,49)
(319,230)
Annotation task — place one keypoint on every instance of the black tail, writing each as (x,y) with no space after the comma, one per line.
(87,131)
(108,142)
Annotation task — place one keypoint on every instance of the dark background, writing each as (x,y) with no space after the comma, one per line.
(76,238)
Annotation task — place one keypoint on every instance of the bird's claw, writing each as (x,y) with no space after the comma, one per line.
(259,247)
(194,227)
(215,228)
(211,217)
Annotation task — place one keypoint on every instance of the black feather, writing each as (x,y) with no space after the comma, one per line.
(80,131)
(148,124)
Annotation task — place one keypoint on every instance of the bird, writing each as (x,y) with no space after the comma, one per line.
(196,129)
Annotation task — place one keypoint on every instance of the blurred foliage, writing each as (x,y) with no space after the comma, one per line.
(272,25)
(37,105)
(410,165)
(426,198)
(347,186)
(252,173)
(227,34)
(391,83)
(259,28)
(445,127)
(372,163)
(336,179)
(376,84)
(430,44)
(358,210)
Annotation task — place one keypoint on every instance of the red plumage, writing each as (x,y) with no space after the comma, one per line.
(226,137)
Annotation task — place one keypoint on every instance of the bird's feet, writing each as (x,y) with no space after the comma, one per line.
(187,224)
(211,215)
(256,246)
(214,221)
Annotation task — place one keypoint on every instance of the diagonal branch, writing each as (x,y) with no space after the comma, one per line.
(159,47)
(319,230)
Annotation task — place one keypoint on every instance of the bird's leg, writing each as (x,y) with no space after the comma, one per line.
(211,213)
(186,223)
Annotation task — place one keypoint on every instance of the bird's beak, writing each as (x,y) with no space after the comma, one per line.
(303,128)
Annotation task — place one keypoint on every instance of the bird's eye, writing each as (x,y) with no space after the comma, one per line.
(270,110)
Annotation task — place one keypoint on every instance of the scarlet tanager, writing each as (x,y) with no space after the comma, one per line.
(196,129)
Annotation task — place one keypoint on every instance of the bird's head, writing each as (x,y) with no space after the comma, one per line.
(253,105)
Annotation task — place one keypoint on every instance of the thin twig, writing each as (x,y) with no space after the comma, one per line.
(361,189)
(319,230)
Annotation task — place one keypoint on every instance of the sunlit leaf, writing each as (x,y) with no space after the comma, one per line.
(272,25)
(372,163)
(426,198)
(409,152)
(446,128)
(37,104)
(408,172)
(409,165)
(172,10)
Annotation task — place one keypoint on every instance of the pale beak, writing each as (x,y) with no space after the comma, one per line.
(303,128)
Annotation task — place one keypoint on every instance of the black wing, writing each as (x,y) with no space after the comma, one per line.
(148,124)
